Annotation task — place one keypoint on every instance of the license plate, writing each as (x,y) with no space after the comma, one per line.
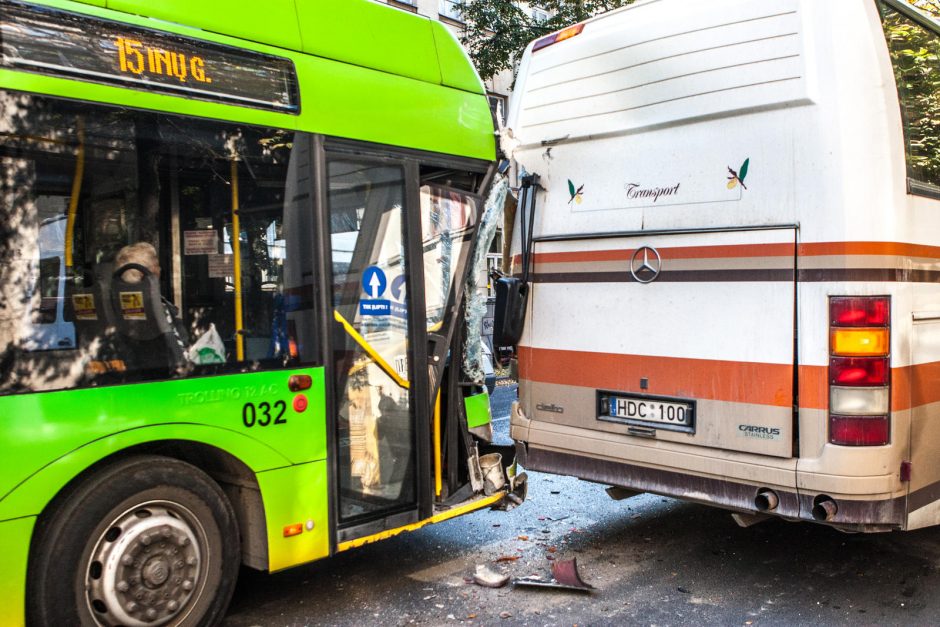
(654,411)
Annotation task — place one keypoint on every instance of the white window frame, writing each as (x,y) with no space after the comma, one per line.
(539,15)
(452,9)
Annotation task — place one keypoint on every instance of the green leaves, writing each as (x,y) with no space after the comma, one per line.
(497,31)
(571,189)
(914,51)
(742,173)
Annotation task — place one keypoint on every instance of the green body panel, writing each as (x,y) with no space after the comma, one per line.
(271,22)
(50,438)
(298,494)
(365,71)
(478,409)
(417,115)
(386,39)
(455,70)
(337,99)
(14,546)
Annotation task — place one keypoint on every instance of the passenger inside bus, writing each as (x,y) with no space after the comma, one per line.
(149,324)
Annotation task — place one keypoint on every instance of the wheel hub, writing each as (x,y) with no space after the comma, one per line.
(146,566)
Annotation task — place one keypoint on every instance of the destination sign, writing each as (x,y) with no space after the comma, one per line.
(61,43)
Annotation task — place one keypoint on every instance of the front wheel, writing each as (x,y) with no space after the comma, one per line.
(150,541)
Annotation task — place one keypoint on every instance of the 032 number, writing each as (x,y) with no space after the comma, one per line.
(264,414)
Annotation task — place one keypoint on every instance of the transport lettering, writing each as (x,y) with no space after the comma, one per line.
(636,191)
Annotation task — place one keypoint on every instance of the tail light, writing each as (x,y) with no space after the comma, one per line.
(859,371)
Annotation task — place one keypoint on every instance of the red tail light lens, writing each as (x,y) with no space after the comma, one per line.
(859,430)
(863,311)
(858,371)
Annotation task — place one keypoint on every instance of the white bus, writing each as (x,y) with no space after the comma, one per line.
(734,256)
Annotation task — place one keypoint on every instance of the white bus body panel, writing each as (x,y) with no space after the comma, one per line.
(634,128)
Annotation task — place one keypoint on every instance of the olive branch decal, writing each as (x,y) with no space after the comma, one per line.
(576,194)
(739,176)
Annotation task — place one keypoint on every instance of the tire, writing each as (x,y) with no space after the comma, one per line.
(147,541)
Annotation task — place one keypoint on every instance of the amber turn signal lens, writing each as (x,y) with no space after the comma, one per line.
(859,342)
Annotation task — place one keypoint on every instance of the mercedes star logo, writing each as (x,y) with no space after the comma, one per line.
(646,264)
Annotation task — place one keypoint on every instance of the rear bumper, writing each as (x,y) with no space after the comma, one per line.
(709,476)
(875,514)
(15,537)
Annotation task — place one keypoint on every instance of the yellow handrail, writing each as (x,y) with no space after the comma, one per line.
(237,263)
(438,480)
(76,192)
(378,359)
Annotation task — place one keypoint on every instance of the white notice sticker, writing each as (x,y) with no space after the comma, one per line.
(221,266)
(200,242)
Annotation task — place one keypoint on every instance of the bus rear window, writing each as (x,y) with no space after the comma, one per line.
(915,57)
(119,232)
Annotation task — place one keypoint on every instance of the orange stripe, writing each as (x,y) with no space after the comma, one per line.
(680,252)
(767,384)
(728,252)
(591,255)
(814,387)
(868,248)
(911,386)
(736,251)
(921,380)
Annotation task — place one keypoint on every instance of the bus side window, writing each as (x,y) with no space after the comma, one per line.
(914,51)
(84,181)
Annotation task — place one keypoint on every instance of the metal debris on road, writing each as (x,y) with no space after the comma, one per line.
(565,576)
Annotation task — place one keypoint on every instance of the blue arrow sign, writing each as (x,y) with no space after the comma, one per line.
(397,284)
(374,281)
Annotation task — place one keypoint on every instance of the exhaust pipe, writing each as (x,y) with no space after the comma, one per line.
(825,509)
(766,500)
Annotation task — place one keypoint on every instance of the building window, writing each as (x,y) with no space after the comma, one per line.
(452,9)
(498,106)
(408,4)
(539,15)
(134,278)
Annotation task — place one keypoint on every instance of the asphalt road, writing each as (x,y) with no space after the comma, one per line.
(653,561)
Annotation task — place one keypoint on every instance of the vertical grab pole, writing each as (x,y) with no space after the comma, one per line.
(438,475)
(237,263)
(76,192)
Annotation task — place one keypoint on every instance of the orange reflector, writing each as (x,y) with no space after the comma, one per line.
(852,342)
(569,32)
(561,35)
(299,382)
(293,530)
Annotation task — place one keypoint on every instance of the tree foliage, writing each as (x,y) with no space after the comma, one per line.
(915,56)
(497,31)
(930,6)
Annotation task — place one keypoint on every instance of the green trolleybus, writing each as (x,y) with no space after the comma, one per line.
(234,239)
